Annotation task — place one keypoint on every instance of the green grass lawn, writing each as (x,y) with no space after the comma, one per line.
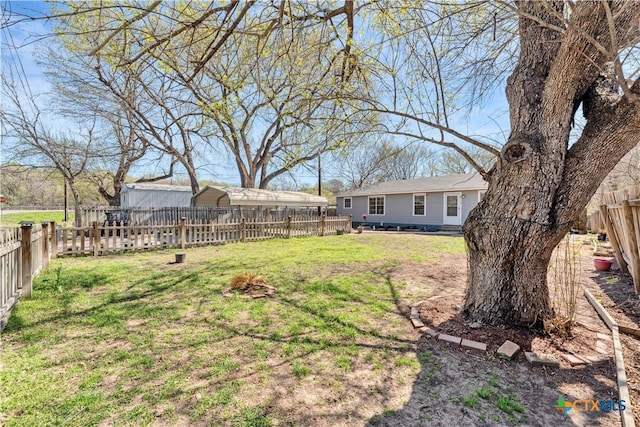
(12,219)
(135,340)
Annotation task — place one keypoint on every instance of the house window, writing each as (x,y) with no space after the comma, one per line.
(376,205)
(347,203)
(452,205)
(419,204)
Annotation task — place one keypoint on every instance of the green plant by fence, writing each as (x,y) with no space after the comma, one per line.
(98,239)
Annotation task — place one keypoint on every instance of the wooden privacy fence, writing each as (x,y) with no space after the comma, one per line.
(596,223)
(24,252)
(98,239)
(621,215)
(172,215)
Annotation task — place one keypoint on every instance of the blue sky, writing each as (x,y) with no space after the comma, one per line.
(25,37)
(489,120)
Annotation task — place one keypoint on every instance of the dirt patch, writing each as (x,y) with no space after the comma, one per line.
(456,388)
(615,292)
(464,383)
(442,313)
(442,278)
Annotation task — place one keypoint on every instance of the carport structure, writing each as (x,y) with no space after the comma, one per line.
(258,203)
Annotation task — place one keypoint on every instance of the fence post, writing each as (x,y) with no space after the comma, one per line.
(26,281)
(54,239)
(243,225)
(183,233)
(322,225)
(350,224)
(45,245)
(95,238)
(634,256)
(613,238)
(289,227)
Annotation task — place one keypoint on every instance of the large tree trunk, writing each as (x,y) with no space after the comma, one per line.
(540,183)
(508,266)
(77,208)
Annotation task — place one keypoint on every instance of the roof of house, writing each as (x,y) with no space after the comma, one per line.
(461,182)
(258,197)
(154,187)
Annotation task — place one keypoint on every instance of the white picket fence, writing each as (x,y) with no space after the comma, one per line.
(98,239)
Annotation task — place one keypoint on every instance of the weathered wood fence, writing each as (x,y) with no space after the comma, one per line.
(24,252)
(621,216)
(98,239)
(596,223)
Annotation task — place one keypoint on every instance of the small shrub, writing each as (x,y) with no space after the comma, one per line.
(566,287)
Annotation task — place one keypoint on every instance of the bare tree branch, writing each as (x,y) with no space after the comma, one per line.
(124,25)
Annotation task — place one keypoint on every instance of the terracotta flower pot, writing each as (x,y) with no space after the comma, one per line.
(602,264)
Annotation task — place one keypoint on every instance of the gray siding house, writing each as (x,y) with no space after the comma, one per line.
(434,203)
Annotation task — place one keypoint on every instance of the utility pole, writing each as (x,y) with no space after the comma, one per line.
(319,183)
(66,210)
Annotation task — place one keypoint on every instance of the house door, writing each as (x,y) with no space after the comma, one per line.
(452,209)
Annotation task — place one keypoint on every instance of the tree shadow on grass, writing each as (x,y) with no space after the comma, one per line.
(217,362)
(18,322)
(192,372)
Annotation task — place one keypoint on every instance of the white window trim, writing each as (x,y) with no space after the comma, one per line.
(480,193)
(384,205)
(344,203)
(414,204)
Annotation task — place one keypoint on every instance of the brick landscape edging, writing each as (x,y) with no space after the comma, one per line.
(509,349)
